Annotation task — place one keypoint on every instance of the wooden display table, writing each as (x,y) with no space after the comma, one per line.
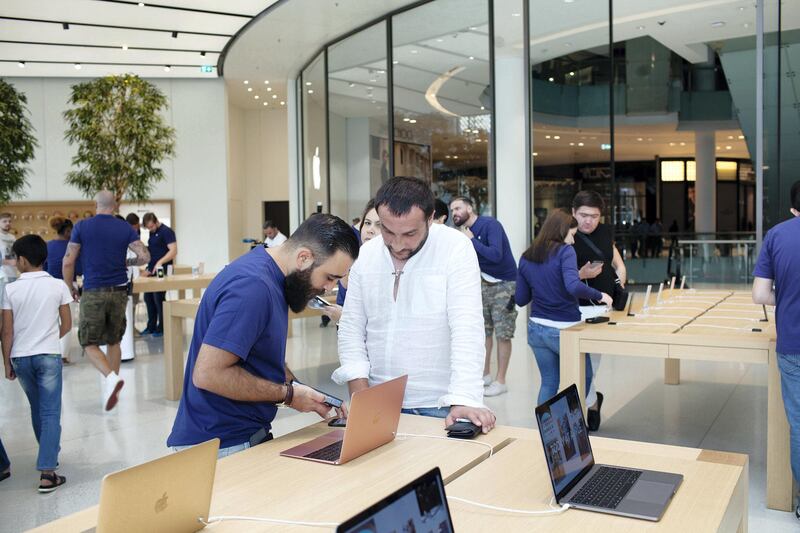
(174,314)
(695,325)
(176,282)
(713,495)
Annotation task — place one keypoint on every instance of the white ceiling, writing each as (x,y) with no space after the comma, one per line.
(32,31)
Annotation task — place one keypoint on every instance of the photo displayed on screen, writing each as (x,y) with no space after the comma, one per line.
(420,510)
(566,443)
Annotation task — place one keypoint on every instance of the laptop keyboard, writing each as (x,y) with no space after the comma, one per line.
(331,452)
(607,487)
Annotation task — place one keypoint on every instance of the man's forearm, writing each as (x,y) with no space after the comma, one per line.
(236,383)
(357,385)
(7,342)
(68,272)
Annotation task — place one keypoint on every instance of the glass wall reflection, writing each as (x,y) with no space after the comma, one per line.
(442,98)
(315,152)
(358,119)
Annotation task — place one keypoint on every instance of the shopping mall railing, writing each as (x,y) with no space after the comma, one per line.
(724,258)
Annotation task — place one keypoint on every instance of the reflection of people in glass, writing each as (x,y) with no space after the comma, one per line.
(384,166)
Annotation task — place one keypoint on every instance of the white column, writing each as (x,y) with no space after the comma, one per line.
(293,108)
(705,188)
(510,149)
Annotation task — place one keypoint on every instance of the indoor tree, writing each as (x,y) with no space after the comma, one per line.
(16,142)
(116,123)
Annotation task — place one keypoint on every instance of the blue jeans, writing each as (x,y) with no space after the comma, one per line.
(789,365)
(223,452)
(40,377)
(5,462)
(545,343)
(436,412)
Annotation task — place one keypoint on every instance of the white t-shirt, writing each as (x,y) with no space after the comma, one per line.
(279,239)
(34,300)
(6,242)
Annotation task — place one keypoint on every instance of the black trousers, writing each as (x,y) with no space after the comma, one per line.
(155,310)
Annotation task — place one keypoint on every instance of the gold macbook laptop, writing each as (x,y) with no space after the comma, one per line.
(373,419)
(166,495)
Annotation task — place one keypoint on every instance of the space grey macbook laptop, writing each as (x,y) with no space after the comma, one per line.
(583,484)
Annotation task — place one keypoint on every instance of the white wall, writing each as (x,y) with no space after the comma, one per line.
(196,179)
(258,148)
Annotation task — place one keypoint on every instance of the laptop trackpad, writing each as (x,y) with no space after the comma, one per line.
(650,492)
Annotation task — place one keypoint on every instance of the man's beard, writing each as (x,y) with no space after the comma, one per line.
(458,221)
(298,291)
(415,250)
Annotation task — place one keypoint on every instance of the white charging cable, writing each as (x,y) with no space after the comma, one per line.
(214,519)
(450,439)
(551,511)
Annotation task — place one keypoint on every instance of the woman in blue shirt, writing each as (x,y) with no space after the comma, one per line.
(548,276)
(55,257)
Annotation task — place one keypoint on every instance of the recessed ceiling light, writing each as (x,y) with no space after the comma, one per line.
(546,136)
(683,144)
(266,103)
(395,62)
(141,4)
(256,97)
(730,137)
(124,46)
(572,144)
(455,157)
(550,79)
(311,91)
(571,73)
(77,66)
(381,71)
(439,40)
(718,148)
(556,137)
(639,139)
(412,121)
(729,147)
(447,157)
(246,82)
(249,89)
(167,68)
(483,108)
(21,64)
(471,58)
(274,96)
(406,119)
(568,1)
(473,28)
(672,144)
(741,137)
(266,82)
(414,51)
(535,154)
(515,14)
(283,103)
(717,24)
(580,144)
(269,89)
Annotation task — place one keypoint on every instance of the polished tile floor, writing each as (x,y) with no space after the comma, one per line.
(717,406)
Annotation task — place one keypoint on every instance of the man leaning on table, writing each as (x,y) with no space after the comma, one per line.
(779,264)
(414,307)
(236,374)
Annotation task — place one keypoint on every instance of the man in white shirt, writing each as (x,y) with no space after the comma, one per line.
(414,307)
(272,235)
(8,269)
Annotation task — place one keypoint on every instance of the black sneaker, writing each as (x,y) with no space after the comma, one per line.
(593,415)
(797,512)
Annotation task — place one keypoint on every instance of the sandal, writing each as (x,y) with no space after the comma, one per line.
(55,480)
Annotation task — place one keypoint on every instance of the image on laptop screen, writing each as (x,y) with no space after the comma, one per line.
(566,442)
(418,507)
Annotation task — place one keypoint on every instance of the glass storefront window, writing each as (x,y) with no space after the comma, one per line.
(358,119)
(442,98)
(315,150)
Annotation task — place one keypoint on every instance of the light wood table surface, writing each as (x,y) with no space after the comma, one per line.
(176,282)
(712,497)
(258,482)
(717,326)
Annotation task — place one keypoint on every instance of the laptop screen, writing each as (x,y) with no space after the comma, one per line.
(565,439)
(419,506)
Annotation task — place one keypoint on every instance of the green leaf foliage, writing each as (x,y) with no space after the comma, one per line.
(16,142)
(121,136)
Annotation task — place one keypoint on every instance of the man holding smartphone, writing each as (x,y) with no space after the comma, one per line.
(236,374)
(600,265)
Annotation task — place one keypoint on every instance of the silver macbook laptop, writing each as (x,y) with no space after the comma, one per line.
(583,484)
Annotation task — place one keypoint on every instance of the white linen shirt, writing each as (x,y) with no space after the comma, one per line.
(279,239)
(433,331)
(34,300)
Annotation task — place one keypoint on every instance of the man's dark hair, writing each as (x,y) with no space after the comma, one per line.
(324,235)
(466,199)
(31,247)
(269,224)
(149,217)
(400,194)
(795,195)
(132,219)
(440,209)
(588,199)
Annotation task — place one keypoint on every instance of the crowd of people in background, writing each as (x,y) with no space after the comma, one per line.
(416,297)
